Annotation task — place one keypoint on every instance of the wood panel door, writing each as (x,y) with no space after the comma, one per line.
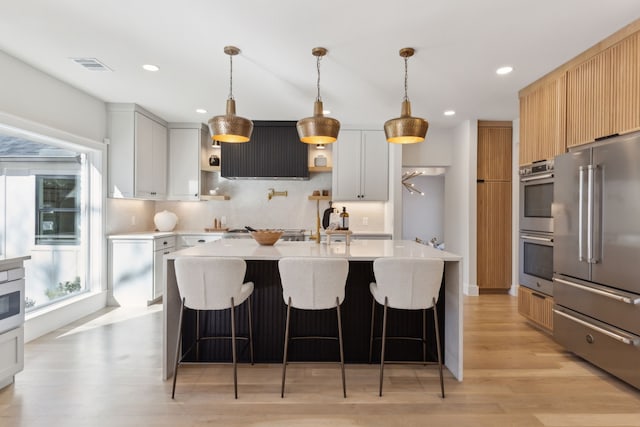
(543,121)
(494,153)
(625,78)
(494,235)
(589,99)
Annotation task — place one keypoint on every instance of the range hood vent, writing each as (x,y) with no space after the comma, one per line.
(274,152)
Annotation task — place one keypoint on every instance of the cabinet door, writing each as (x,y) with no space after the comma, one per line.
(543,121)
(159,160)
(158,272)
(494,235)
(143,156)
(494,153)
(132,271)
(589,100)
(346,165)
(184,170)
(625,68)
(375,166)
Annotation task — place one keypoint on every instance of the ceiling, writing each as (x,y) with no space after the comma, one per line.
(459,45)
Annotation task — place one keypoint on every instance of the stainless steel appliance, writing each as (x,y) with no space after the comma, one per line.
(11,299)
(597,255)
(243,233)
(536,261)
(536,196)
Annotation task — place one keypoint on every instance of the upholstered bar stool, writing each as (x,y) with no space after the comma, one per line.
(310,283)
(212,283)
(406,284)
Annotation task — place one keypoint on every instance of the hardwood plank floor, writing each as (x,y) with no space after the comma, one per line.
(105,371)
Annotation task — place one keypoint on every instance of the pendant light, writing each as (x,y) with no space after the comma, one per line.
(230,128)
(318,129)
(406,129)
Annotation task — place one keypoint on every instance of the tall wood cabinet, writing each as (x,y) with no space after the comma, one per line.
(494,206)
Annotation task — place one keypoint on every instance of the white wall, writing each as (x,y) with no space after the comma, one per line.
(436,150)
(515,202)
(30,94)
(423,216)
(129,216)
(460,202)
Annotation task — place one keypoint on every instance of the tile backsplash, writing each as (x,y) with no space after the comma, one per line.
(248,205)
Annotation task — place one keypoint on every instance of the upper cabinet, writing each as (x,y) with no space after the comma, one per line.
(190,175)
(361,166)
(543,120)
(137,153)
(494,151)
(603,93)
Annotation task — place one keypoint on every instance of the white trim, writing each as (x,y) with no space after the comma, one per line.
(50,318)
(471,290)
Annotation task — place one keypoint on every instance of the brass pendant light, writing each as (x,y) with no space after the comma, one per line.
(230,128)
(318,129)
(406,129)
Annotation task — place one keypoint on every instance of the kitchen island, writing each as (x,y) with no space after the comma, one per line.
(269,308)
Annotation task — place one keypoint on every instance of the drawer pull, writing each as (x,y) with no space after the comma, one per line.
(617,337)
(537,295)
(617,297)
(589,338)
(201,241)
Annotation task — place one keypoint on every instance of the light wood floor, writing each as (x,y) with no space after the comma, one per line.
(105,371)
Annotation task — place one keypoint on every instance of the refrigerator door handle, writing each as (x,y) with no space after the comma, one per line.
(615,336)
(590,170)
(580,213)
(618,297)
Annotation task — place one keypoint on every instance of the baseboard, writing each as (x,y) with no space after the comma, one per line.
(471,290)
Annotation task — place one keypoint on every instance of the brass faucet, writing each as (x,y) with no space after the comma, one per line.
(272,193)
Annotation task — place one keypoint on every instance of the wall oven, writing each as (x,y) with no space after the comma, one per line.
(536,261)
(536,197)
(11,299)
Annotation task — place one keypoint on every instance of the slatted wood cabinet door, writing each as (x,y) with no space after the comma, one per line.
(543,120)
(494,206)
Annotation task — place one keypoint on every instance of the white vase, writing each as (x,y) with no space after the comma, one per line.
(165,220)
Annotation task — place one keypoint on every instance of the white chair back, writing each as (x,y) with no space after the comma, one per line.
(313,283)
(209,283)
(408,283)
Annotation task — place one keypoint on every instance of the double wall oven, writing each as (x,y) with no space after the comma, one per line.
(536,227)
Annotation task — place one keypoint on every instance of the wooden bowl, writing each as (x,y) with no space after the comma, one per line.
(266,237)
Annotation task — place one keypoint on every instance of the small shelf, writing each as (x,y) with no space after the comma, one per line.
(216,197)
(319,197)
(320,168)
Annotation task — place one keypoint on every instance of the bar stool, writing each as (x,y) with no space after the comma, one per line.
(310,283)
(407,284)
(212,283)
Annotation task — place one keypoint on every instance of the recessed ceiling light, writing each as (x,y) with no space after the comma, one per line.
(201,111)
(449,113)
(151,67)
(504,70)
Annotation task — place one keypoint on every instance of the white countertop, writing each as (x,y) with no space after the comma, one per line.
(359,250)
(12,261)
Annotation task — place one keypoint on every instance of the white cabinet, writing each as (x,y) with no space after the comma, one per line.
(188,240)
(189,172)
(11,355)
(361,166)
(137,268)
(137,153)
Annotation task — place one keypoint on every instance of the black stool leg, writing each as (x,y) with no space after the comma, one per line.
(250,330)
(424,335)
(286,347)
(384,339)
(435,319)
(175,368)
(233,349)
(373,316)
(344,386)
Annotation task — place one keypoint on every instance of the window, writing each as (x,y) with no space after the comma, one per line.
(57,210)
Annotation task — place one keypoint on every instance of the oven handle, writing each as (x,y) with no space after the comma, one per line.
(622,339)
(541,239)
(537,177)
(611,295)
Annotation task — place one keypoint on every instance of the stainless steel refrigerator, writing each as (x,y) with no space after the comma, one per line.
(596,261)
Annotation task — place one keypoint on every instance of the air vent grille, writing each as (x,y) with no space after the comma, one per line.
(91,64)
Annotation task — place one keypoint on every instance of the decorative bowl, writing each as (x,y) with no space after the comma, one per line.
(266,237)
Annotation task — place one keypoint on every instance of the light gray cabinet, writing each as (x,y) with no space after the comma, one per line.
(137,268)
(189,173)
(137,153)
(361,166)
(188,240)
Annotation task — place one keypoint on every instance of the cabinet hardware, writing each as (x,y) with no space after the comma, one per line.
(537,295)
(614,296)
(617,337)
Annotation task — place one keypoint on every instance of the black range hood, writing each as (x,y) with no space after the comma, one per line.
(274,152)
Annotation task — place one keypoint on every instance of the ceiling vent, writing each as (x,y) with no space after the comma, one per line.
(91,64)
